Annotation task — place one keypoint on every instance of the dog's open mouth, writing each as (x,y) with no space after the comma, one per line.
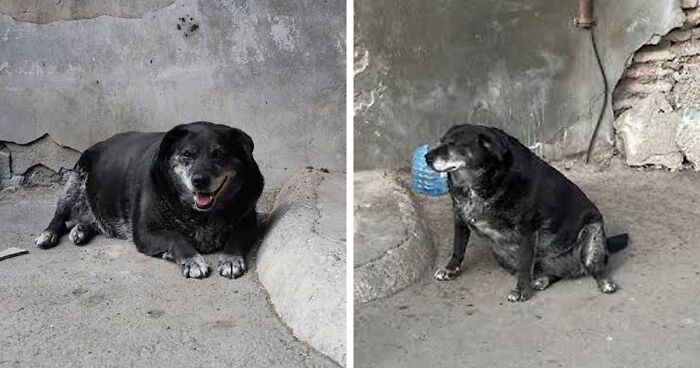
(443,166)
(450,168)
(205,201)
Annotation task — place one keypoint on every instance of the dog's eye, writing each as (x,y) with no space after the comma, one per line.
(186,154)
(217,154)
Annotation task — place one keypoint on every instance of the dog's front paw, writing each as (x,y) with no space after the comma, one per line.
(46,239)
(520,295)
(231,266)
(195,267)
(607,286)
(445,274)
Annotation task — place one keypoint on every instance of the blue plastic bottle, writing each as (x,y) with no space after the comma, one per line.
(425,180)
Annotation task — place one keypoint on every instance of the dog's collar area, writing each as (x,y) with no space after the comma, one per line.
(205,201)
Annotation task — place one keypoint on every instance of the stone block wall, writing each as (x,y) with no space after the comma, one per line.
(657,101)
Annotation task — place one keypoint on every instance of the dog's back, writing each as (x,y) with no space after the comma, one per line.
(112,172)
(561,205)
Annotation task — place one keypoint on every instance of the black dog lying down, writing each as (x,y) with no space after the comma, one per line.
(191,190)
(541,225)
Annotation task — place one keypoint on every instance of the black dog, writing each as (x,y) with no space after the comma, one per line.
(540,223)
(191,190)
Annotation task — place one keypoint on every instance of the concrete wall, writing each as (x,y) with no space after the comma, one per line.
(422,66)
(81,71)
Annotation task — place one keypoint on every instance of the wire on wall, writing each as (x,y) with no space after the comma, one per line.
(606,89)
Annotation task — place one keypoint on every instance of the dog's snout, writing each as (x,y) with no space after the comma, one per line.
(429,158)
(200,181)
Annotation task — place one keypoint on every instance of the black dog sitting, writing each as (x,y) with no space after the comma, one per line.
(191,190)
(542,226)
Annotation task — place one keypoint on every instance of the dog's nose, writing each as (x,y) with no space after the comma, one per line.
(200,181)
(429,158)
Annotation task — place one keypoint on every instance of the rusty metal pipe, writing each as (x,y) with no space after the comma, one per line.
(585,14)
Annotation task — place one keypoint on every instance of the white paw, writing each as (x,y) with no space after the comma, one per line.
(78,234)
(540,283)
(231,266)
(46,239)
(607,286)
(444,274)
(518,295)
(195,267)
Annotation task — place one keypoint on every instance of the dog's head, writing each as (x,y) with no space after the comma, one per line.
(470,147)
(206,162)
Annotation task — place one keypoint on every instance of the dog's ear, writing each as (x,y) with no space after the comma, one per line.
(492,145)
(244,141)
(173,135)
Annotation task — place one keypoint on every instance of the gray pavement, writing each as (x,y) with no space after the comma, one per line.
(106,305)
(653,321)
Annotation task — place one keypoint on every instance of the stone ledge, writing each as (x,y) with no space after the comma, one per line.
(301,261)
(392,246)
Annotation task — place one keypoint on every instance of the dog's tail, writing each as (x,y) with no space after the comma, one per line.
(617,243)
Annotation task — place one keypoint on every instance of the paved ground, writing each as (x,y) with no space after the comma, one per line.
(106,305)
(653,321)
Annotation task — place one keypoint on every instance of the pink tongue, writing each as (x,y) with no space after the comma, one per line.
(202,199)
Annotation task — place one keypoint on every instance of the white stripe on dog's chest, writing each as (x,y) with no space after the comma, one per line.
(485,229)
(473,213)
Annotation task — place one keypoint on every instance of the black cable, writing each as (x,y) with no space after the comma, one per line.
(605,98)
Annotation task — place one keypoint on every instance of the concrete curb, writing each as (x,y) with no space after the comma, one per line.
(301,261)
(407,249)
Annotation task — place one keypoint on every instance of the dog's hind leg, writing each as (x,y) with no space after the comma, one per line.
(542,276)
(542,282)
(594,256)
(461,237)
(81,233)
(66,201)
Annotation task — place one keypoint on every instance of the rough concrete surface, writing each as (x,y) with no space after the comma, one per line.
(275,68)
(688,138)
(5,170)
(392,248)
(49,11)
(652,321)
(301,261)
(648,132)
(44,151)
(106,305)
(521,65)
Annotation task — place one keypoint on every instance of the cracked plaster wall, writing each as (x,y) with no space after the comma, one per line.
(656,101)
(81,71)
(421,67)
